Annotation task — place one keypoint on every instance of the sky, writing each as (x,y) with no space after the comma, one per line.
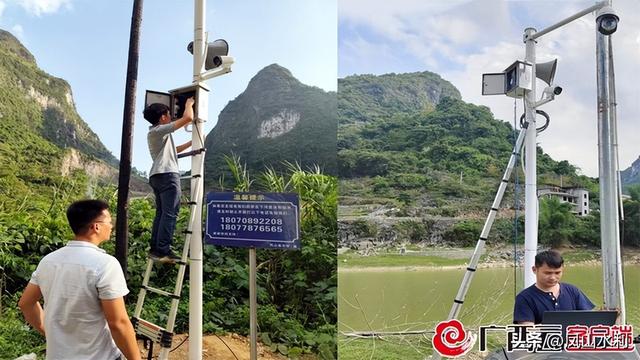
(462,39)
(86,42)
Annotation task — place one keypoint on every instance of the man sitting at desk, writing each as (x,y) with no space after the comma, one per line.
(548,294)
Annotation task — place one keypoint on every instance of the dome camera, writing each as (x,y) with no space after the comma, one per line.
(552,90)
(607,20)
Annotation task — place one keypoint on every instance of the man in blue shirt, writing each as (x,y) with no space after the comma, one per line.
(548,293)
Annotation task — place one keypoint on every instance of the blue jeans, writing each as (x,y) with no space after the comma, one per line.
(166,188)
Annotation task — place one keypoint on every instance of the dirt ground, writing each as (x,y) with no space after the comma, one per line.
(213,347)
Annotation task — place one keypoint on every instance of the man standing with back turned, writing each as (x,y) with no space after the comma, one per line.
(548,293)
(83,287)
(164,176)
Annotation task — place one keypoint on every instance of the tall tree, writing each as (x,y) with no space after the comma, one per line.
(556,222)
(632,217)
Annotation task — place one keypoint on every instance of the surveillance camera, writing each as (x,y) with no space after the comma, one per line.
(552,90)
(607,20)
(224,61)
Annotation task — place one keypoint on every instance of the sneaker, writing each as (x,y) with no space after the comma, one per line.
(169,258)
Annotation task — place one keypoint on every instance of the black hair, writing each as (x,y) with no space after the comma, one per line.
(82,213)
(154,111)
(552,258)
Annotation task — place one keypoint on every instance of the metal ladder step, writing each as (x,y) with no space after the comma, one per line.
(161,292)
(152,331)
(192,153)
(189,177)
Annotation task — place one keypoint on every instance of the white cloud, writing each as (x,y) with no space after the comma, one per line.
(40,7)
(364,55)
(18,31)
(461,40)
(2,6)
(381,12)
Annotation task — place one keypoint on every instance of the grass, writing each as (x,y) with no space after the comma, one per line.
(578,255)
(407,347)
(388,348)
(350,259)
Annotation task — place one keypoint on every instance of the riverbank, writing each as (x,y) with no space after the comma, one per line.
(458,258)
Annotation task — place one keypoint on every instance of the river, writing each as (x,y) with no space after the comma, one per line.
(398,299)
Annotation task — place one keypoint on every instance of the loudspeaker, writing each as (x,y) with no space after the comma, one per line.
(546,71)
(215,53)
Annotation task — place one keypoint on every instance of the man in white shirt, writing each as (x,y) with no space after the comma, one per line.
(84,316)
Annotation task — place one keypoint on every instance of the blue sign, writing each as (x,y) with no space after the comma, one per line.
(261,220)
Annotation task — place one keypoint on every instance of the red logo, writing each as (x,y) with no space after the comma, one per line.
(451,340)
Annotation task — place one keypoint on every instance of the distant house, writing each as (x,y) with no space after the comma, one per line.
(578,197)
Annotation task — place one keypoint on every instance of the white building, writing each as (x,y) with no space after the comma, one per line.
(578,197)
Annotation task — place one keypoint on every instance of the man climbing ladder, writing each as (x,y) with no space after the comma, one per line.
(164,176)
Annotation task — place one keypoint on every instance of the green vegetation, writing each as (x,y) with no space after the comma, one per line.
(365,97)
(38,124)
(631,229)
(455,151)
(443,257)
(296,289)
(388,259)
(37,108)
(439,157)
(416,347)
(406,347)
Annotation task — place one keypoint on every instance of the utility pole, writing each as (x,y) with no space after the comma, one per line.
(195,249)
(531,183)
(122,220)
(609,216)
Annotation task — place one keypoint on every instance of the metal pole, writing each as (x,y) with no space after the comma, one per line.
(614,122)
(122,220)
(609,232)
(530,187)
(614,139)
(195,251)
(582,13)
(253,304)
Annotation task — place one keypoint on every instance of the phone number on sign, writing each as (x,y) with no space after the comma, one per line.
(259,228)
(251,224)
(250,220)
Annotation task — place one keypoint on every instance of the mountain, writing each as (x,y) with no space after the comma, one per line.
(45,147)
(419,165)
(631,175)
(276,119)
(366,97)
(410,138)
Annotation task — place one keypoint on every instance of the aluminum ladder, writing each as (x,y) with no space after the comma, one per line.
(146,329)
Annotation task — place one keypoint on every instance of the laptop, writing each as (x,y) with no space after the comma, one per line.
(575,317)
(580,317)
